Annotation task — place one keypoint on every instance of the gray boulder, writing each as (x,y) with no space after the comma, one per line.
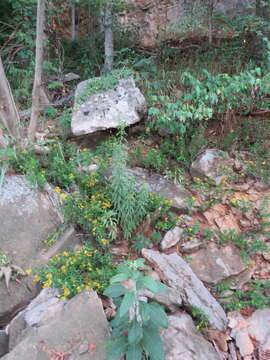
(123,104)
(77,327)
(3,342)
(182,340)
(28,217)
(214,263)
(171,238)
(212,164)
(177,274)
(159,185)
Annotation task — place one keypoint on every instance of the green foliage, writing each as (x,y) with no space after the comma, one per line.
(257,296)
(129,202)
(91,209)
(213,95)
(136,322)
(140,242)
(152,159)
(103,83)
(200,318)
(73,272)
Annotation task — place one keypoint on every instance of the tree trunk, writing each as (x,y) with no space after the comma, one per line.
(8,111)
(109,49)
(36,93)
(73,22)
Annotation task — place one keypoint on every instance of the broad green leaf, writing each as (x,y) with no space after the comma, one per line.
(135,333)
(128,301)
(134,353)
(152,344)
(152,285)
(157,315)
(116,349)
(119,277)
(115,290)
(118,321)
(143,306)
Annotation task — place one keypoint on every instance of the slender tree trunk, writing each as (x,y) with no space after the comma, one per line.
(8,111)
(109,49)
(36,93)
(210,20)
(73,22)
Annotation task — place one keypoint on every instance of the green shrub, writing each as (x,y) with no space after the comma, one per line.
(136,322)
(73,272)
(129,202)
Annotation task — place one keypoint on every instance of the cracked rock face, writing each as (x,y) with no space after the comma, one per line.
(182,341)
(175,272)
(123,104)
(214,263)
(50,326)
(28,217)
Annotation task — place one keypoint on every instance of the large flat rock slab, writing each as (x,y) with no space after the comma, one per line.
(177,274)
(215,263)
(28,217)
(122,104)
(182,341)
(163,187)
(77,328)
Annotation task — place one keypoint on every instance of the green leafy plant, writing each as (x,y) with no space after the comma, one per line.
(129,202)
(200,318)
(136,322)
(75,271)
(256,296)
(140,242)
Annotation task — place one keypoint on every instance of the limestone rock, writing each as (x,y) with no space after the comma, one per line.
(28,217)
(171,238)
(191,246)
(163,187)
(171,299)
(215,263)
(3,342)
(182,341)
(123,104)
(211,164)
(259,330)
(178,275)
(80,320)
(251,332)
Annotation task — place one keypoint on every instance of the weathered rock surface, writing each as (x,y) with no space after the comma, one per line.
(155,19)
(3,342)
(171,238)
(191,246)
(28,217)
(183,342)
(211,164)
(251,333)
(215,263)
(66,328)
(178,275)
(163,187)
(123,104)
(171,299)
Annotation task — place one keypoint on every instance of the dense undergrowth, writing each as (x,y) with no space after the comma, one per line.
(214,96)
